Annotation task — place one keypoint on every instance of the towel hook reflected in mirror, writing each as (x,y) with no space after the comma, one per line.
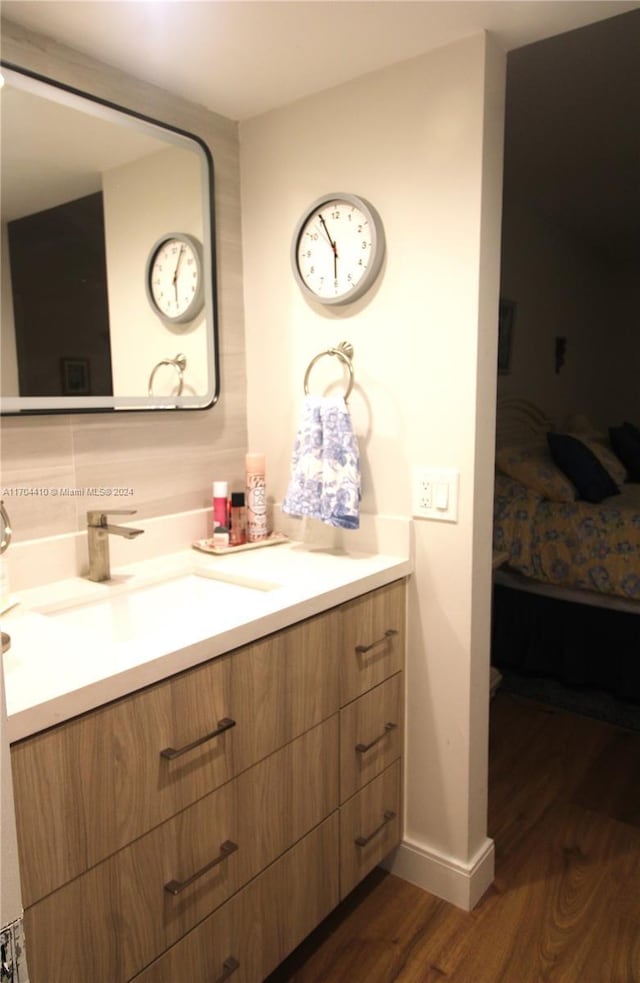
(179,363)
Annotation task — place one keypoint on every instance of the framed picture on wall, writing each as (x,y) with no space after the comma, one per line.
(75,376)
(506,316)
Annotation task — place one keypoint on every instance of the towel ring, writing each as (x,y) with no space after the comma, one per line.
(179,363)
(344,351)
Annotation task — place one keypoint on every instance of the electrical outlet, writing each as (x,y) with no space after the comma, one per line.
(422,491)
(435,494)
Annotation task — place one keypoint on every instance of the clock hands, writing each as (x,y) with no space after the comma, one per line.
(333,245)
(175,272)
(326,231)
(174,278)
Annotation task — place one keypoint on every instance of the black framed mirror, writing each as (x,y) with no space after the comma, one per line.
(88,191)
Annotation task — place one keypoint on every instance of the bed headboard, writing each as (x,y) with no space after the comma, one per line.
(520,422)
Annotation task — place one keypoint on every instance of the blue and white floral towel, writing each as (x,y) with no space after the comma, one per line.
(325,465)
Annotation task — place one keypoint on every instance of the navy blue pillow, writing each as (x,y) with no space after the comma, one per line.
(625,441)
(582,467)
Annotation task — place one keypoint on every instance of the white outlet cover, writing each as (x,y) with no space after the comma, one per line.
(428,493)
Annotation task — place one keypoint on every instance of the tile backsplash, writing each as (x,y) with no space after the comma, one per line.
(55,469)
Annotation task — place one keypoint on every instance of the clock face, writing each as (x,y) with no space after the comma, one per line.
(174,278)
(338,249)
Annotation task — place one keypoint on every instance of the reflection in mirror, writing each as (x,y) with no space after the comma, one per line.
(88,190)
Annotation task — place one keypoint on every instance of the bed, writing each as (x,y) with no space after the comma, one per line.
(567,599)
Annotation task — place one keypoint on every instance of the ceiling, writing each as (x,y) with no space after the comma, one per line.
(41,169)
(241,58)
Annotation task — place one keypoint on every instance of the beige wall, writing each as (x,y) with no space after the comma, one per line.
(619,380)
(168,460)
(423,142)
(562,287)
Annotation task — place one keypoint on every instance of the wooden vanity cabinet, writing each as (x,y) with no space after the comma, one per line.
(372,640)
(90,786)
(370,827)
(250,935)
(371,734)
(148,853)
(160,886)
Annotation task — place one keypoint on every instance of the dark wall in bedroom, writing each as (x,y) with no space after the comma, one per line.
(571,214)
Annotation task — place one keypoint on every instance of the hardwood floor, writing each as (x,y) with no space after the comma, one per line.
(564,811)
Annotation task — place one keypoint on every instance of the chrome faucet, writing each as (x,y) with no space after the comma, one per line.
(98,532)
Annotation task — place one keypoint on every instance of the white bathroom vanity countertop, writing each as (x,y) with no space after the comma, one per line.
(54,671)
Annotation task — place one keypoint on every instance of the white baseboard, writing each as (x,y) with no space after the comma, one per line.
(461,884)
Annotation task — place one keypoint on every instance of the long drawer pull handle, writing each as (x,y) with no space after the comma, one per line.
(388,634)
(363,840)
(171,752)
(229,966)
(226,849)
(361,748)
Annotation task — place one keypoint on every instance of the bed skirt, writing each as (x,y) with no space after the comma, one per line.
(579,645)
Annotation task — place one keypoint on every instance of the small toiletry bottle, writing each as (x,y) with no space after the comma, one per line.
(220,536)
(256,497)
(238,520)
(220,516)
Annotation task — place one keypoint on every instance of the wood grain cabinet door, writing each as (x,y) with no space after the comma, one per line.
(370,825)
(253,932)
(282,685)
(90,786)
(113,920)
(373,639)
(371,734)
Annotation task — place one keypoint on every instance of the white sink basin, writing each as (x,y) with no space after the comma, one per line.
(128,613)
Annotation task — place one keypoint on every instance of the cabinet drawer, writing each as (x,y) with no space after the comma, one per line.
(369,827)
(90,786)
(373,639)
(113,920)
(254,931)
(371,734)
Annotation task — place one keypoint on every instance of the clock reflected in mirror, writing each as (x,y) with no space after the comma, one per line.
(174,278)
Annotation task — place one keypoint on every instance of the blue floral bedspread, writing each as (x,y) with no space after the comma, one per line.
(576,544)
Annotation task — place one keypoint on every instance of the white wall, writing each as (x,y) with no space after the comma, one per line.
(423,142)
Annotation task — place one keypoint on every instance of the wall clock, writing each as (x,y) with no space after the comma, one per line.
(174,278)
(337,248)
